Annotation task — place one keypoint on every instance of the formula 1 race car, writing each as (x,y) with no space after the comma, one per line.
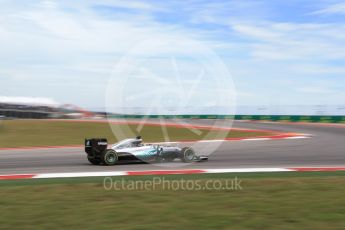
(134,150)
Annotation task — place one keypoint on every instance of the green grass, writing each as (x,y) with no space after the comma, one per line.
(16,133)
(267,201)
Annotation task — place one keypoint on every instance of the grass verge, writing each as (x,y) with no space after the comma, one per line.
(267,201)
(20,133)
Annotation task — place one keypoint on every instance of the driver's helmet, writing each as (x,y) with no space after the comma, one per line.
(137,142)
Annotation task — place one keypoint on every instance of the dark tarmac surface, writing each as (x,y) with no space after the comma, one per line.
(326,147)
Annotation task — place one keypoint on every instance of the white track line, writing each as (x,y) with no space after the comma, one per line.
(166,172)
(248,170)
(82,174)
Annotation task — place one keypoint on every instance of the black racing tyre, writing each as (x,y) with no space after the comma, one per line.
(94,161)
(109,157)
(187,155)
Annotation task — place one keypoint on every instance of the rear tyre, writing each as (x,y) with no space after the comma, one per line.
(187,155)
(94,161)
(109,157)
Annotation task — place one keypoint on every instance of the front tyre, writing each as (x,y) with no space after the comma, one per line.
(109,157)
(187,155)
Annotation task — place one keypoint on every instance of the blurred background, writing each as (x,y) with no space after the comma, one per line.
(285,58)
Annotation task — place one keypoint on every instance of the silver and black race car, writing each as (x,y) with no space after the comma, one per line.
(133,149)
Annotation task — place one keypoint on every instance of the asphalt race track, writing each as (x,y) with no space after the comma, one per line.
(326,147)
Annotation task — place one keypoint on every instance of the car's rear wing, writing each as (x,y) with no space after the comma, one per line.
(96,145)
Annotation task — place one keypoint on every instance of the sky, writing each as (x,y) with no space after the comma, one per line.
(256,53)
